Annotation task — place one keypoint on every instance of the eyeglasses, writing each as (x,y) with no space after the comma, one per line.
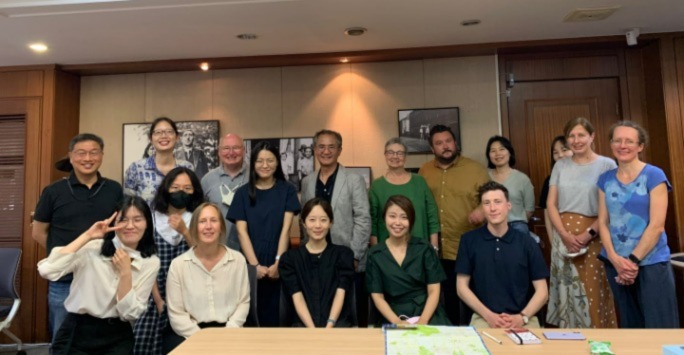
(266,162)
(187,189)
(163,132)
(391,153)
(331,147)
(235,148)
(82,153)
(626,142)
(135,220)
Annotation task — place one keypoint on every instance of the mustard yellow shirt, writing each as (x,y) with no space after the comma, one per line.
(455,191)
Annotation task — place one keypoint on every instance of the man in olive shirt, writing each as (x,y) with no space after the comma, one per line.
(454,181)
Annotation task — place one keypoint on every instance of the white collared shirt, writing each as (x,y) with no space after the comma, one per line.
(96,280)
(195,295)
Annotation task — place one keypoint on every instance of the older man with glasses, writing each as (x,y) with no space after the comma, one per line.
(220,184)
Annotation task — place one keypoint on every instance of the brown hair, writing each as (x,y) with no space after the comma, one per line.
(579,121)
(642,134)
(194,223)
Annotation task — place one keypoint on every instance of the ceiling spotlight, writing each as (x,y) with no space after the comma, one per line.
(247,36)
(470,22)
(355,31)
(204,66)
(344,60)
(38,47)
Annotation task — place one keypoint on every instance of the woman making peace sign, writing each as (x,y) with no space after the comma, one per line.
(114,269)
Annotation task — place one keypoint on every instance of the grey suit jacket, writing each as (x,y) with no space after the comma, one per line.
(351,211)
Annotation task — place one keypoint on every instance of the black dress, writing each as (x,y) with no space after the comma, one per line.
(318,276)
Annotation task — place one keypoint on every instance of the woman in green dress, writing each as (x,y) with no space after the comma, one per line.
(403,273)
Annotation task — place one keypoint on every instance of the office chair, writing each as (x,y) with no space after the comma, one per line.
(252,317)
(9,264)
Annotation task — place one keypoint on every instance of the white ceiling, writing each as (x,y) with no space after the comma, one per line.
(101,31)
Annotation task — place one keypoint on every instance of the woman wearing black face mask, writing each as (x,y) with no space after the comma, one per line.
(178,196)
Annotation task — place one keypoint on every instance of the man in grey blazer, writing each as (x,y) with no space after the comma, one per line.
(347,194)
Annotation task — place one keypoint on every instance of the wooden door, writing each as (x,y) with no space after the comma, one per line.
(538,112)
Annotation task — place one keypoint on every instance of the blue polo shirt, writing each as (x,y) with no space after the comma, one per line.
(501,269)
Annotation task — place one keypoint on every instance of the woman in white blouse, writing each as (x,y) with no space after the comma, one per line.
(207,286)
(114,269)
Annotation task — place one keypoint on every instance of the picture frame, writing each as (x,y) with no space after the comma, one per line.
(365,172)
(201,138)
(296,156)
(415,125)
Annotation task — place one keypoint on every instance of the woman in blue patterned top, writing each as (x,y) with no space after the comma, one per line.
(632,209)
(143,177)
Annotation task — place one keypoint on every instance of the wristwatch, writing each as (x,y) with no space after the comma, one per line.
(634,259)
(525,318)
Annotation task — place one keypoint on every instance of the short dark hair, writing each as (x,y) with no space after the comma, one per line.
(161,199)
(337,135)
(146,245)
(563,141)
(506,144)
(641,132)
(325,205)
(405,204)
(253,177)
(82,137)
(194,223)
(162,119)
(439,128)
(491,186)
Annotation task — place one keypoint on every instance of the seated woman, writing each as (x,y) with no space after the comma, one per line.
(318,275)
(100,309)
(403,273)
(207,286)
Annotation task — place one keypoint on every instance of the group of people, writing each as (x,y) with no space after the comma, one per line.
(449,245)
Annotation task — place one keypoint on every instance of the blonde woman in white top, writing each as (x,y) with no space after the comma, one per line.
(207,286)
(113,278)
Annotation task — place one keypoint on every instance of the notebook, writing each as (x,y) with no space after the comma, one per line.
(522,336)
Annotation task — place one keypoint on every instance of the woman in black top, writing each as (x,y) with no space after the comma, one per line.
(318,276)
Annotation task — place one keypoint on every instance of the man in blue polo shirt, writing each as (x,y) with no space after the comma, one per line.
(69,206)
(497,268)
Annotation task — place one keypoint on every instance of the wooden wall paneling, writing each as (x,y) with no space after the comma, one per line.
(67,93)
(21,84)
(672,61)
(561,68)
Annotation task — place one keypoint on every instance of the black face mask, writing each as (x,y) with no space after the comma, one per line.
(179,199)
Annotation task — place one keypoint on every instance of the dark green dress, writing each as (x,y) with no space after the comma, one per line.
(405,286)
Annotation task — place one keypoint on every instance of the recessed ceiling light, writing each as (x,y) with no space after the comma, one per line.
(470,22)
(247,36)
(344,60)
(204,66)
(355,31)
(38,47)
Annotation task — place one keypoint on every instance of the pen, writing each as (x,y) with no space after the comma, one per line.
(493,338)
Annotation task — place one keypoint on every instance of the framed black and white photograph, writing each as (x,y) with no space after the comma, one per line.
(296,156)
(415,125)
(365,172)
(197,142)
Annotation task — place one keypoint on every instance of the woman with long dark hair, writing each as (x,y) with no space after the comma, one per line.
(143,177)
(559,150)
(114,269)
(262,211)
(178,196)
(318,276)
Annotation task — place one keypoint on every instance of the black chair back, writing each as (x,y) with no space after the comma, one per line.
(252,316)
(9,264)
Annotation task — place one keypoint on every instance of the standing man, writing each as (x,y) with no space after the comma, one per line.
(221,183)
(348,197)
(69,206)
(503,265)
(193,154)
(454,181)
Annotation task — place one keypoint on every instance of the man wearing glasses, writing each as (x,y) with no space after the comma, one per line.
(69,206)
(348,197)
(221,183)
